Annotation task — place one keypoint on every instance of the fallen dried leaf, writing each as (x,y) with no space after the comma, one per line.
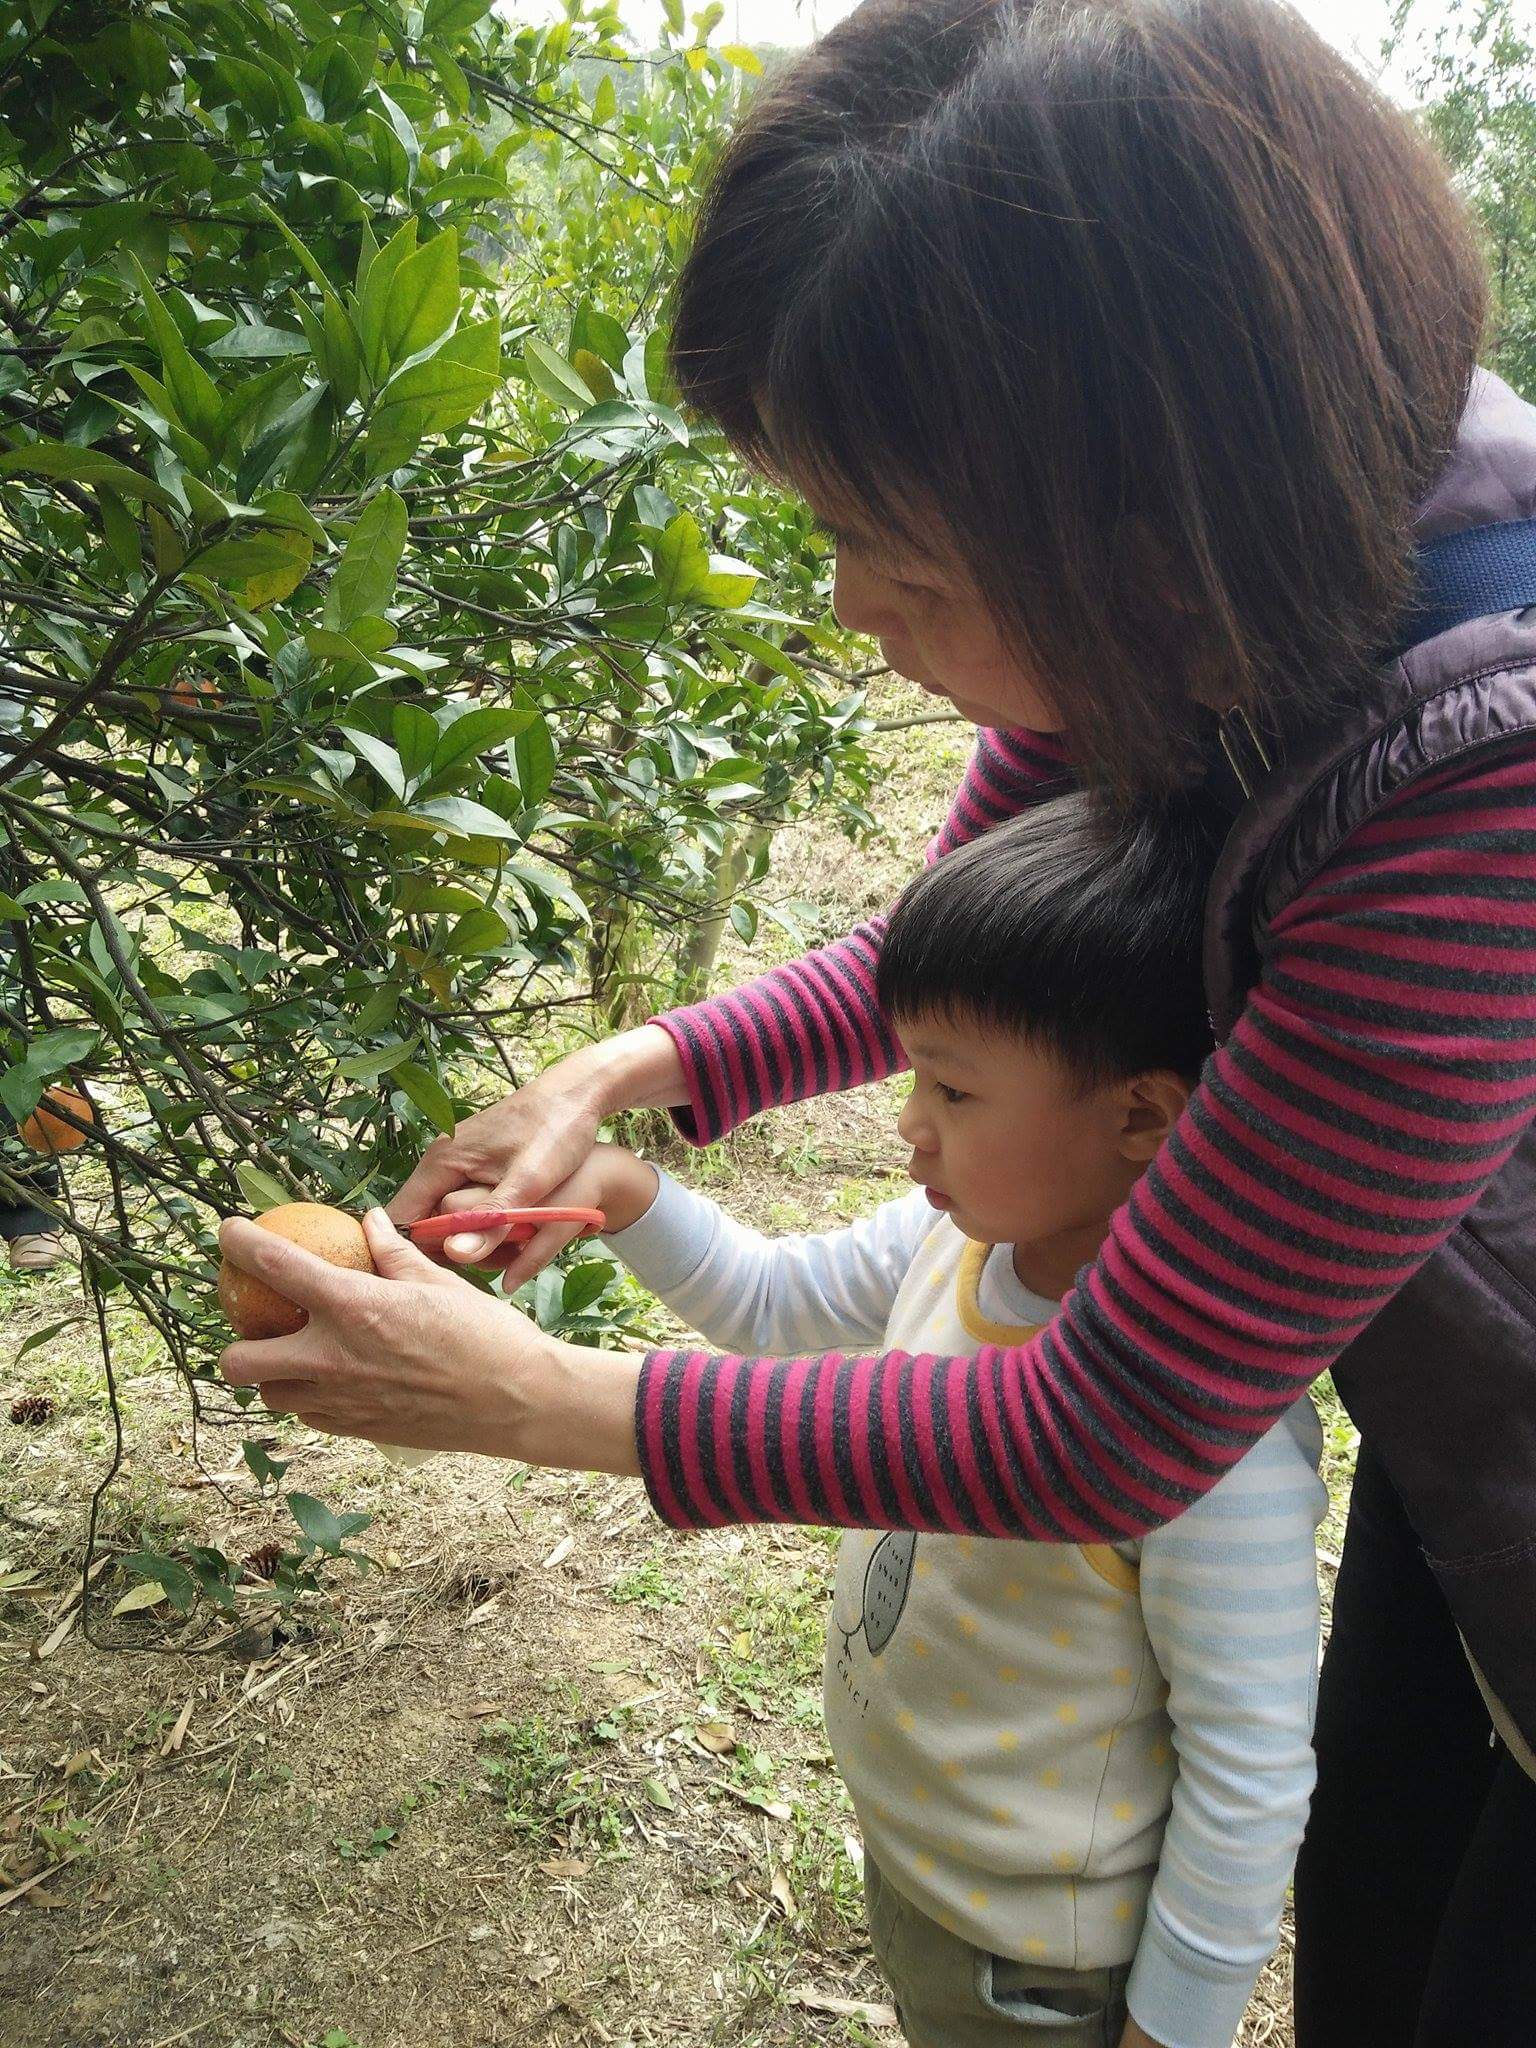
(565,1866)
(480,1710)
(178,1734)
(560,1553)
(776,1809)
(844,2008)
(542,1967)
(779,1887)
(717,1736)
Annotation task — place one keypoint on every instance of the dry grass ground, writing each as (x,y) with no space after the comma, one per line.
(547,1775)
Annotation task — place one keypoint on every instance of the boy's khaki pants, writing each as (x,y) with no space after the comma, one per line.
(950,1995)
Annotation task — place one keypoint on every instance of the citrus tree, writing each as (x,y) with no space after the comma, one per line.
(383,661)
(1472,66)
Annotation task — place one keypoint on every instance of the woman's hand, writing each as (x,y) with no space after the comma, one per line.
(414,1355)
(526,1148)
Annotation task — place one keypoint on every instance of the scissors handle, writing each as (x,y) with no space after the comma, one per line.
(518,1224)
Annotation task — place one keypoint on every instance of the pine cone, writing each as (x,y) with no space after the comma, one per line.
(32,1410)
(263,1563)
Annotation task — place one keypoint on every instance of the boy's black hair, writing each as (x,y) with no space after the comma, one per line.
(1075,930)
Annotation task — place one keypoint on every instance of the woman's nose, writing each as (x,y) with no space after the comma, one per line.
(861,601)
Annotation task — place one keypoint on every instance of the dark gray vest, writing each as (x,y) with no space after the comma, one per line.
(1443,1381)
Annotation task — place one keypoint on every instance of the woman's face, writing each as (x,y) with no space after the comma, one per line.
(934,627)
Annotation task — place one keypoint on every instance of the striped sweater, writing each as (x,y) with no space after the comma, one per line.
(1380,1076)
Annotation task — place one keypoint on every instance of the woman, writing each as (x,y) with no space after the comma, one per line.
(1119,345)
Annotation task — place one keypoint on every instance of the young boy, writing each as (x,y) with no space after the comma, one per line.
(1081,1771)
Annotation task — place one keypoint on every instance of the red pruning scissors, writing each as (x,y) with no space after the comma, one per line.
(516,1225)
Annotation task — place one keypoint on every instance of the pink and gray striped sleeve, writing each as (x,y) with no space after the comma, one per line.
(1380,1076)
(813,1028)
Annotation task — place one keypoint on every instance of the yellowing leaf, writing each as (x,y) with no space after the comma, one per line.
(260,568)
(137,1598)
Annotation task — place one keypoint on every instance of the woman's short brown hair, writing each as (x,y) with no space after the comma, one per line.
(1129,293)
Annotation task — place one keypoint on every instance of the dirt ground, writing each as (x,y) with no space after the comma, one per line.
(548,1774)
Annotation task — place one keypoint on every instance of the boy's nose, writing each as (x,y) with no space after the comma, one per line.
(912,1126)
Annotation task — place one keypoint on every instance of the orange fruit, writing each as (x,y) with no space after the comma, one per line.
(256,1310)
(197,693)
(47,1133)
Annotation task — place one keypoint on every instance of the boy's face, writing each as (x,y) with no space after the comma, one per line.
(1009,1146)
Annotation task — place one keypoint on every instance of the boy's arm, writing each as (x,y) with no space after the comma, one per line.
(742,1290)
(1229,1592)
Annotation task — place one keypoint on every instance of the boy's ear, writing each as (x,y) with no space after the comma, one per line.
(1150,1107)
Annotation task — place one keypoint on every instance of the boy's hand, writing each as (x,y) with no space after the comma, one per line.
(609,1178)
(614,1180)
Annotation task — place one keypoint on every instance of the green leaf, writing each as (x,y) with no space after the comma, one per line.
(605,101)
(121,531)
(364,581)
(477,931)
(423,298)
(428,1094)
(476,733)
(381,758)
(56,1050)
(194,395)
(85,466)
(367,1066)
(283,442)
(554,376)
(38,1338)
(21,1090)
(680,560)
(443,391)
(457,814)
(260,1190)
(260,568)
(318,1523)
(728,584)
(601,334)
(267,1471)
(743,56)
(658,373)
(250,340)
(744,922)
(535,759)
(373,307)
(416,737)
(448,17)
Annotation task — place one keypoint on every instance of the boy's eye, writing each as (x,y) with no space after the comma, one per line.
(951,1094)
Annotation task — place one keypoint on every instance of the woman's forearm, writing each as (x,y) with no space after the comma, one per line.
(571,1408)
(640,1069)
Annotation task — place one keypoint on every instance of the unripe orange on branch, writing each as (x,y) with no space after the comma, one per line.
(45,1132)
(256,1310)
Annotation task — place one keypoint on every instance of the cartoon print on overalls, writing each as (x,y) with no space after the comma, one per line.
(887,1577)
